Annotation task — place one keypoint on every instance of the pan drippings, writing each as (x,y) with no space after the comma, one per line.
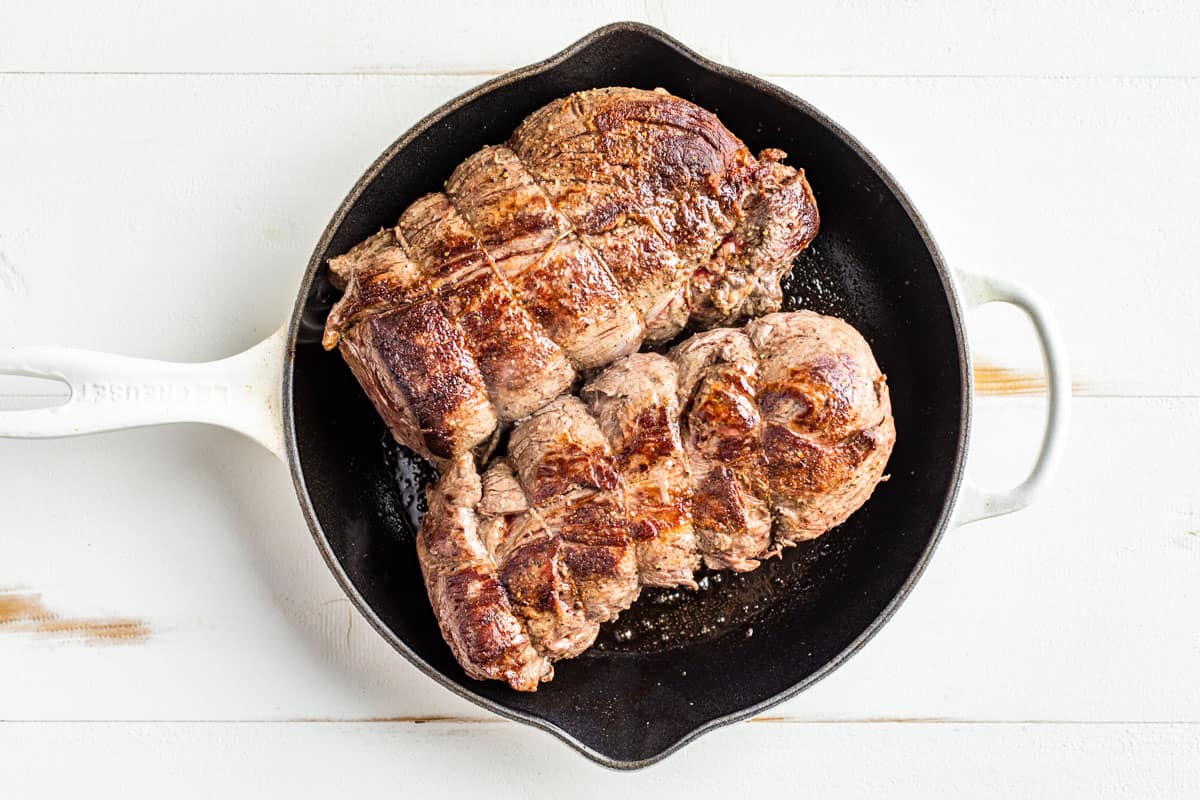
(726,603)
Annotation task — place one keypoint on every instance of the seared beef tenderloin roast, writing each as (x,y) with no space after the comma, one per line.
(611,218)
(737,444)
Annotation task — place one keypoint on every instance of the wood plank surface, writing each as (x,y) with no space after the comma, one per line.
(1051,614)
(166,624)
(939,760)
(822,37)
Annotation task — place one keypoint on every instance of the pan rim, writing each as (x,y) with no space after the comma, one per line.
(291,446)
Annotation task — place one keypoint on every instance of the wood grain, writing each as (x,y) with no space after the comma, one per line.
(26,613)
(829,761)
(994,380)
(997,381)
(821,37)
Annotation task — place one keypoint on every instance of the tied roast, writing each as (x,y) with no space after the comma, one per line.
(737,444)
(610,218)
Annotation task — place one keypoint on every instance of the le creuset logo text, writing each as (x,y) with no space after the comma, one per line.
(154,393)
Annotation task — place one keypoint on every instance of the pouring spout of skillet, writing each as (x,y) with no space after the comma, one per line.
(679,663)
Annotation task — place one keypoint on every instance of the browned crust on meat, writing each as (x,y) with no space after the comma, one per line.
(598,519)
(481,612)
(533,579)
(552,459)
(555,475)
(656,438)
(650,181)
(788,221)
(417,363)
(801,465)
(741,279)
(723,415)
(565,467)
(635,404)
(723,437)
(828,429)
(522,368)
(387,398)
(559,280)
(718,505)
(788,419)
(472,606)
(377,276)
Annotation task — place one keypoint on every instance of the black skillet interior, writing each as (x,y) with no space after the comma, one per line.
(677,663)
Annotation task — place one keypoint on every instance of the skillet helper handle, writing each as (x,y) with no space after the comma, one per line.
(975,503)
(111,392)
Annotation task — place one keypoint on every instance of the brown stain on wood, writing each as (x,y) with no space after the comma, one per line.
(26,613)
(994,380)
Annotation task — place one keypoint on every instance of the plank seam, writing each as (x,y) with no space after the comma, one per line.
(491,73)
(455,720)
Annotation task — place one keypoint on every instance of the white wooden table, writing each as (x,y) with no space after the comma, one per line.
(164,174)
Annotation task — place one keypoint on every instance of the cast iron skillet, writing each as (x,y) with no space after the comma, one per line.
(678,664)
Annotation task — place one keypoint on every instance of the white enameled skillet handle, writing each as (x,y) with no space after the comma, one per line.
(110,392)
(975,503)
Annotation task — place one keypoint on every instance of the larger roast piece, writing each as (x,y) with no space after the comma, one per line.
(610,218)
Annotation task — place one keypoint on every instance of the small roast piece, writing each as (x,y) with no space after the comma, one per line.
(736,445)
